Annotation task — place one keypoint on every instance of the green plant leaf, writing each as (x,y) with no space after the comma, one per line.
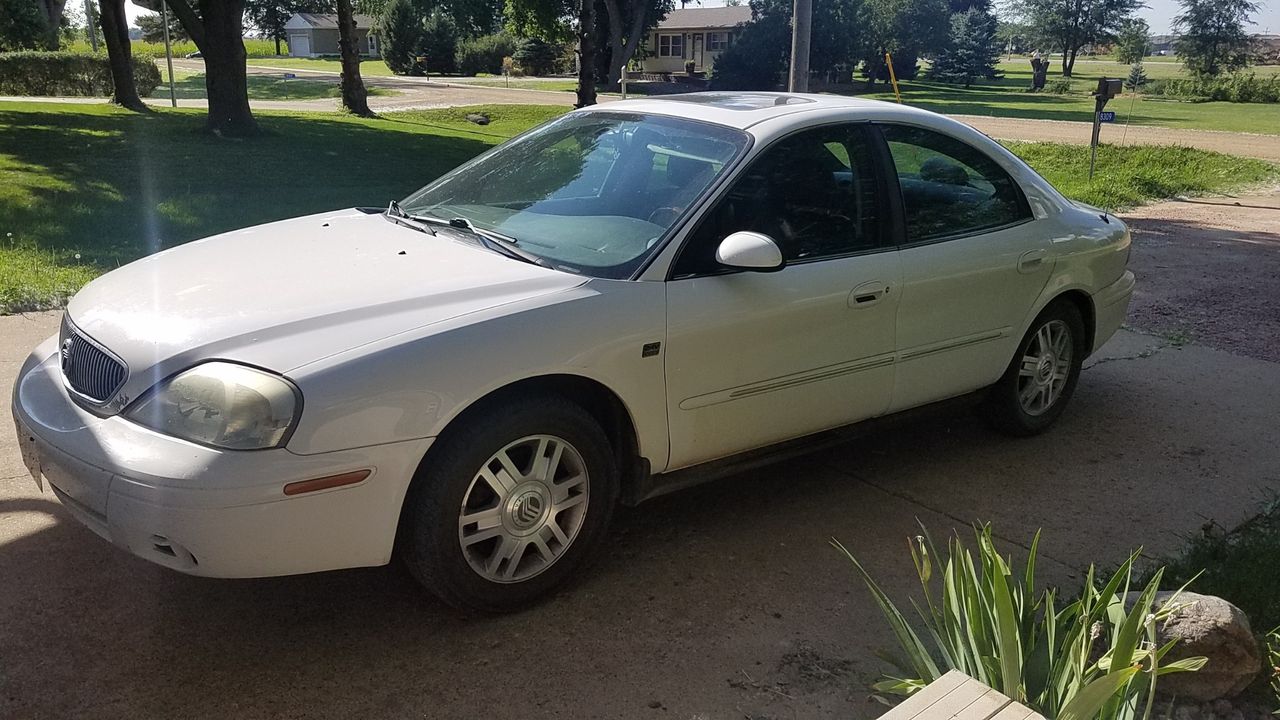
(1089,701)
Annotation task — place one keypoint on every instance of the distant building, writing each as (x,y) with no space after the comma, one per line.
(315,35)
(697,34)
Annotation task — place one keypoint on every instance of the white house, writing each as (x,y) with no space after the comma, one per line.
(314,35)
(697,34)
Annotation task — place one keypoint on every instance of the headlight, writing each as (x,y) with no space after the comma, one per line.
(222,404)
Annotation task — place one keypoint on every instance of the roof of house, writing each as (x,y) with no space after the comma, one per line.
(707,17)
(328,22)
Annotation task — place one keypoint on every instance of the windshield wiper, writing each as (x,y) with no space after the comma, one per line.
(498,242)
(397,214)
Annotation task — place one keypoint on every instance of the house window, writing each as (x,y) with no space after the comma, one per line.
(671,46)
(717,41)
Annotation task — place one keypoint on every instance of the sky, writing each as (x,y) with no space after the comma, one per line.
(1158,14)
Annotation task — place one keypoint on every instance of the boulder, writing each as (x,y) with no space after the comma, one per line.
(1214,628)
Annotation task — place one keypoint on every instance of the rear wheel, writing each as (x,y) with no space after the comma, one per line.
(1042,376)
(508,506)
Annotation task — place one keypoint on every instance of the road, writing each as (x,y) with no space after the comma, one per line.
(722,602)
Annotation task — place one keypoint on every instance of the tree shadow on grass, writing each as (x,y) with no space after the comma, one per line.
(115,186)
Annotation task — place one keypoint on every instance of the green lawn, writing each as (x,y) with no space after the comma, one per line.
(1006,97)
(112,186)
(190,85)
(369,66)
(85,188)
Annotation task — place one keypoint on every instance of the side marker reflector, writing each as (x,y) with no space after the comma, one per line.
(324,483)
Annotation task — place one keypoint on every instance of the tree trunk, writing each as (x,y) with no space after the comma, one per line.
(115,33)
(355,98)
(586,53)
(222,44)
(52,11)
(1069,62)
(277,45)
(621,50)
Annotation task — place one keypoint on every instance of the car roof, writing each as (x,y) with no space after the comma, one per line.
(745,109)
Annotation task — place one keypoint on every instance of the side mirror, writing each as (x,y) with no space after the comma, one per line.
(748,250)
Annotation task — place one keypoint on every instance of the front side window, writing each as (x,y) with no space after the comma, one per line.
(671,46)
(591,193)
(814,193)
(717,41)
(949,187)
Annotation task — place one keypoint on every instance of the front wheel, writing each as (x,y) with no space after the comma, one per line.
(1040,380)
(509,505)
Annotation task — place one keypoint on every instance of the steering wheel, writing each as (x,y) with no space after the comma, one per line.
(667,213)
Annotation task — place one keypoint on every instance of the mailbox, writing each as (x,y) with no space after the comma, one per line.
(1108,88)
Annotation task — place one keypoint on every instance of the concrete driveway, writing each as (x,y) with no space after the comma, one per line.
(721,602)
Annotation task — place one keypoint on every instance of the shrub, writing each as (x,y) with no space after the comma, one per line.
(1239,88)
(484,54)
(535,56)
(757,57)
(68,73)
(1059,87)
(1094,657)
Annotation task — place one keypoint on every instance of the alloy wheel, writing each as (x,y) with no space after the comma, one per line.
(523,509)
(1045,368)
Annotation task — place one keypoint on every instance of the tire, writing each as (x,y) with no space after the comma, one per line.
(1031,394)
(523,535)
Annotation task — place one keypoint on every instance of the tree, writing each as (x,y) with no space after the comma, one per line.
(115,33)
(627,22)
(269,16)
(1137,76)
(400,32)
(22,25)
(1133,42)
(971,52)
(355,99)
(1213,39)
(904,28)
(439,42)
(1071,24)
(51,12)
(217,29)
(535,56)
(152,27)
(586,53)
(762,47)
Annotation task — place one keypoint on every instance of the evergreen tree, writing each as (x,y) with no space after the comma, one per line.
(1213,39)
(440,43)
(1137,77)
(399,32)
(972,50)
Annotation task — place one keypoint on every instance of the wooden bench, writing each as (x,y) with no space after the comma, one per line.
(956,696)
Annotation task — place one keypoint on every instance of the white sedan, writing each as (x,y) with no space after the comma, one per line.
(622,301)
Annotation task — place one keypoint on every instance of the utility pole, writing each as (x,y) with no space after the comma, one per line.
(802,19)
(168,51)
(88,25)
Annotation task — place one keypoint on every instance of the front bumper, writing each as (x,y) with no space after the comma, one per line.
(206,511)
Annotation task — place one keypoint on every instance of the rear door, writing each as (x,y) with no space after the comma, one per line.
(973,265)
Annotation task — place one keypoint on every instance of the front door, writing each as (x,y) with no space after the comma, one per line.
(972,265)
(697,51)
(300,46)
(754,358)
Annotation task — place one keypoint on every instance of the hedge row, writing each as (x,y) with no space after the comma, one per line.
(1240,88)
(51,74)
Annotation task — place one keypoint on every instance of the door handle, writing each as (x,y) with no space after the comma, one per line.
(868,294)
(1031,261)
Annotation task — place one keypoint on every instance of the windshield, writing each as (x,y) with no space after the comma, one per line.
(592,193)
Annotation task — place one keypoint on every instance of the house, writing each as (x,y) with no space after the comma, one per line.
(314,35)
(697,34)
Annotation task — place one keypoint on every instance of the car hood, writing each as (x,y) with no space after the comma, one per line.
(288,293)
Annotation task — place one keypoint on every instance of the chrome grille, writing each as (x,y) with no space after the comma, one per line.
(90,370)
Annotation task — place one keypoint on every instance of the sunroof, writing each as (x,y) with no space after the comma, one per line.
(739,101)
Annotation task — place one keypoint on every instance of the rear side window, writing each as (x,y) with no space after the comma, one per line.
(949,187)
